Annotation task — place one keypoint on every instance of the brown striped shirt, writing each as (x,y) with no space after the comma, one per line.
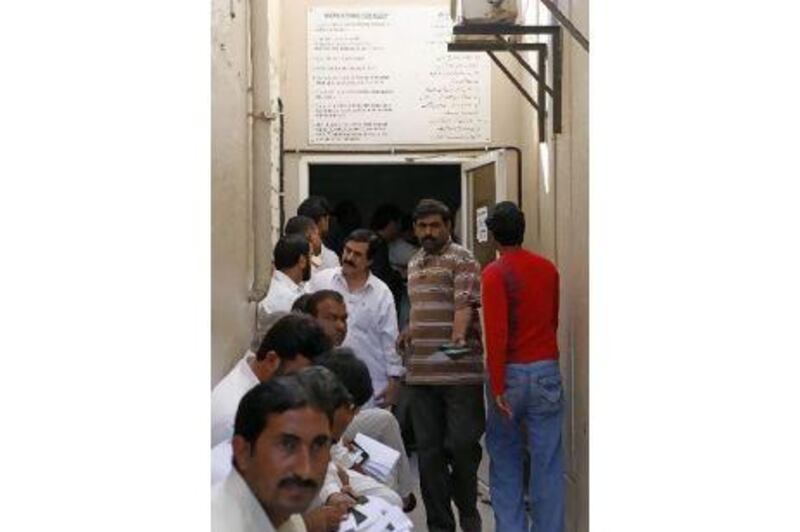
(439,284)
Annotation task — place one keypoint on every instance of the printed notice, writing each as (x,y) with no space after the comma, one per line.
(481,231)
(383,75)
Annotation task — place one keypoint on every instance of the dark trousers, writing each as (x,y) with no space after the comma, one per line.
(448,424)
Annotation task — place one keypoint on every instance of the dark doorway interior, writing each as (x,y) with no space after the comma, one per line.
(370,185)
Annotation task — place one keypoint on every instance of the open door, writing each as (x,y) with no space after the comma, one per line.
(483,184)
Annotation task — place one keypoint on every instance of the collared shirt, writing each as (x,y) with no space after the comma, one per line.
(221,462)
(234,508)
(371,324)
(438,285)
(329,259)
(282,293)
(226,396)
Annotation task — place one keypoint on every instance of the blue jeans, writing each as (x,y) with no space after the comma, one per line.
(534,393)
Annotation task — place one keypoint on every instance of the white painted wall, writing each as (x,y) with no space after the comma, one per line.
(231,218)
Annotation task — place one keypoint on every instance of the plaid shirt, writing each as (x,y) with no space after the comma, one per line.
(438,285)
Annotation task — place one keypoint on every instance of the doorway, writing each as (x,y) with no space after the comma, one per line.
(359,189)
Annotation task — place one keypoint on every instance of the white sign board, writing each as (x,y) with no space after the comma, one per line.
(383,75)
(481,231)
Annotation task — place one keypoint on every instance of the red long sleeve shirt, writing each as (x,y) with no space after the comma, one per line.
(520,310)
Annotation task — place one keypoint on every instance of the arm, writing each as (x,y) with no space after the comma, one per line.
(495,317)
(388,338)
(461,319)
(332,483)
(467,297)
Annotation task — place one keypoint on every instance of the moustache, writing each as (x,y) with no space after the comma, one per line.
(298,482)
(349,263)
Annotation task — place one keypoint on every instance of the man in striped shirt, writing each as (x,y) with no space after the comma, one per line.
(444,385)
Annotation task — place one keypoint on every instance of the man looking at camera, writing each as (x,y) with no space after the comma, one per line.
(444,390)
(281,450)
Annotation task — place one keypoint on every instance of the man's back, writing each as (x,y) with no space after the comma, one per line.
(520,302)
(225,398)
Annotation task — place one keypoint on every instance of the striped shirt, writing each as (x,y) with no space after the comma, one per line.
(438,285)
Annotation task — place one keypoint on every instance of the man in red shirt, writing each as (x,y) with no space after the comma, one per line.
(520,307)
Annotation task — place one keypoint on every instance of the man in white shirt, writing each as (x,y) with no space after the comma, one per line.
(281,452)
(354,375)
(292,343)
(305,226)
(318,209)
(329,309)
(292,263)
(371,316)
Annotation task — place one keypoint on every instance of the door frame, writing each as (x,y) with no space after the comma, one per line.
(467,163)
(496,157)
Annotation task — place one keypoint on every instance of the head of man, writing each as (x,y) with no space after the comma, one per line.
(292,256)
(291,344)
(339,402)
(318,209)
(432,224)
(330,310)
(359,249)
(281,444)
(300,305)
(386,221)
(303,225)
(506,223)
(352,372)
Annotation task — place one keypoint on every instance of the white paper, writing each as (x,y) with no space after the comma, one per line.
(383,75)
(481,231)
(382,458)
(380,517)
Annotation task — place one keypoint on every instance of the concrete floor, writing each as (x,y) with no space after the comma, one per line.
(484,505)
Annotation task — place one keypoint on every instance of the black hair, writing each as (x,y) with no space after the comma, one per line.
(318,297)
(347,215)
(315,207)
(299,225)
(365,236)
(384,215)
(293,335)
(430,207)
(288,251)
(300,304)
(351,370)
(507,224)
(326,387)
(275,396)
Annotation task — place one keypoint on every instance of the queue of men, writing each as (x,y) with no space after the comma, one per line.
(328,361)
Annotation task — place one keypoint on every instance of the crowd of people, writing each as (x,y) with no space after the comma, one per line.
(378,332)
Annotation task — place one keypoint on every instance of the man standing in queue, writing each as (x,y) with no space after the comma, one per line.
(445,372)
(520,302)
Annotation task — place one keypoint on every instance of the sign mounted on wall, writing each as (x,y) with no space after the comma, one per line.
(383,75)
(481,231)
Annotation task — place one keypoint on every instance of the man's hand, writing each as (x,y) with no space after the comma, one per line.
(403,342)
(461,319)
(344,500)
(344,478)
(388,397)
(324,519)
(503,406)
